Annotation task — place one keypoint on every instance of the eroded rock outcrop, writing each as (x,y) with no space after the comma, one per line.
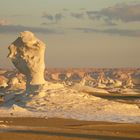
(27,54)
(3,81)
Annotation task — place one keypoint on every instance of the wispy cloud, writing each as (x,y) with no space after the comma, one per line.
(53,19)
(82,9)
(48,23)
(109,22)
(20,28)
(58,17)
(65,9)
(4,22)
(122,32)
(48,16)
(93,15)
(77,15)
(123,12)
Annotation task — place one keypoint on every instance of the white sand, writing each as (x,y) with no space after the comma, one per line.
(62,102)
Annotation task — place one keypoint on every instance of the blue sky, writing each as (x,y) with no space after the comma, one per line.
(78,33)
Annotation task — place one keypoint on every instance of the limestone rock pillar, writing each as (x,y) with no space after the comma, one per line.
(27,54)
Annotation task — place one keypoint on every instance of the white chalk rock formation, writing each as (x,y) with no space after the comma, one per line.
(27,54)
(3,81)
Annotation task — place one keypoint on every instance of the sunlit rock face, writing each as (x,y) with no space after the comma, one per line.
(3,81)
(27,54)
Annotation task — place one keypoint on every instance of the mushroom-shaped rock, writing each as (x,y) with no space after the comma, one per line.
(27,54)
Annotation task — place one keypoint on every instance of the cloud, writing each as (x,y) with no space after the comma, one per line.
(48,23)
(4,22)
(122,32)
(123,12)
(20,15)
(82,9)
(53,18)
(48,16)
(93,15)
(77,15)
(58,17)
(20,28)
(109,22)
(65,9)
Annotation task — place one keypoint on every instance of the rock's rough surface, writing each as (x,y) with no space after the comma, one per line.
(27,54)
(3,81)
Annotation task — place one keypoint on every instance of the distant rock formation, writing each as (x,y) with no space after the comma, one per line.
(27,54)
(3,81)
(17,82)
(55,76)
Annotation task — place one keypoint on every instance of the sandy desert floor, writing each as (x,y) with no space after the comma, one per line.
(65,129)
(63,102)
(77,112)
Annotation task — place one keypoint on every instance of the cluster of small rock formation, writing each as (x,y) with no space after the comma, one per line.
(123,80)
(16,80)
